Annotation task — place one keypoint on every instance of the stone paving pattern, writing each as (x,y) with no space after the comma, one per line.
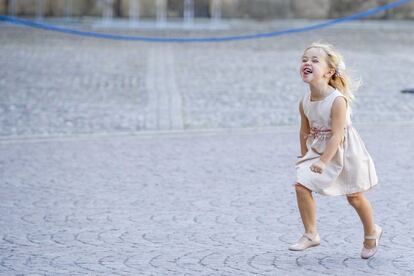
(92,85)
(211,203)
(130,178)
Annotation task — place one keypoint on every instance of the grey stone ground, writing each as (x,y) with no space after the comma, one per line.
(192,204)
(200,201)
(103,86)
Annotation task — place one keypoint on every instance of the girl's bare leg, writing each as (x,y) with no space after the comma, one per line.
(307,208)
(364,209)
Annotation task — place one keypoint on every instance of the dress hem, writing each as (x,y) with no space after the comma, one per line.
(342,194)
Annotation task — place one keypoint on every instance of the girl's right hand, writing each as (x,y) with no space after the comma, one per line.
(318,167)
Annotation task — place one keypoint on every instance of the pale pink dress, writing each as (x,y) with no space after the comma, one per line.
(351,170)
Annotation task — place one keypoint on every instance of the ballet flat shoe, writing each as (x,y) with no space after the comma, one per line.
(305,242)
(367,253)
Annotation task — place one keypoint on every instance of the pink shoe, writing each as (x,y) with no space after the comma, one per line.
(367,253)
(305,242)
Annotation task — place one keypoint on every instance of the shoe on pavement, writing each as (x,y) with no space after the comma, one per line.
(305,242)
(367,253)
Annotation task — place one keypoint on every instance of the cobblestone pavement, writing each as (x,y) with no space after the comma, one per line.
(53,83)
(201,203)
(137,181)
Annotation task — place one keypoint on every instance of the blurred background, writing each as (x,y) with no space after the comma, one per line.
(259,9)
(55,83)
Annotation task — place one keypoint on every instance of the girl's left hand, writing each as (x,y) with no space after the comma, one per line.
(318,167)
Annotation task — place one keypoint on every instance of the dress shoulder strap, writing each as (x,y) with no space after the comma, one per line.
(336,94)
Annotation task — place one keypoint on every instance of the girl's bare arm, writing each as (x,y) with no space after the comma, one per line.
(338,115)
(304,130)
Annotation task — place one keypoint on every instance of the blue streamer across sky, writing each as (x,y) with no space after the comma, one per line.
(328,23)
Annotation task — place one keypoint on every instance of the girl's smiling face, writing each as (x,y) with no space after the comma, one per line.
(314,66)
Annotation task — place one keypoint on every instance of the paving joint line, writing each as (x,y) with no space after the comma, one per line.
(179,133)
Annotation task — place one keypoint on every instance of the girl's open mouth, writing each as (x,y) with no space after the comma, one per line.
(307,71)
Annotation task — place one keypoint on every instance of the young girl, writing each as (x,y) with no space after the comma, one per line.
(334,159)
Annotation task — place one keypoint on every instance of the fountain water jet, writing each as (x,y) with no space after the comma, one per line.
(188,12)
(39,9)
(108,11)
(67,9)
(161,12)
(215,11)
(12,9)
(134,12)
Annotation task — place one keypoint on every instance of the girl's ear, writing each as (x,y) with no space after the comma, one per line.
(330,73)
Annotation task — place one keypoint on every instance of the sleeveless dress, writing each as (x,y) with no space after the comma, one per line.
(351,170)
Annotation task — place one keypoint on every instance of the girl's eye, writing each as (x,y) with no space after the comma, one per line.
(315,61)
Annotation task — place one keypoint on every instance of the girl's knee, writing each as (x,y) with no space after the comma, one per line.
(354,199)
(301,189)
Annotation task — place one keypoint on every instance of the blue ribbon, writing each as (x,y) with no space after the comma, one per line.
(328,23)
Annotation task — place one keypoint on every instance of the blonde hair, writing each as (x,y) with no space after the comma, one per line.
(340,80)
